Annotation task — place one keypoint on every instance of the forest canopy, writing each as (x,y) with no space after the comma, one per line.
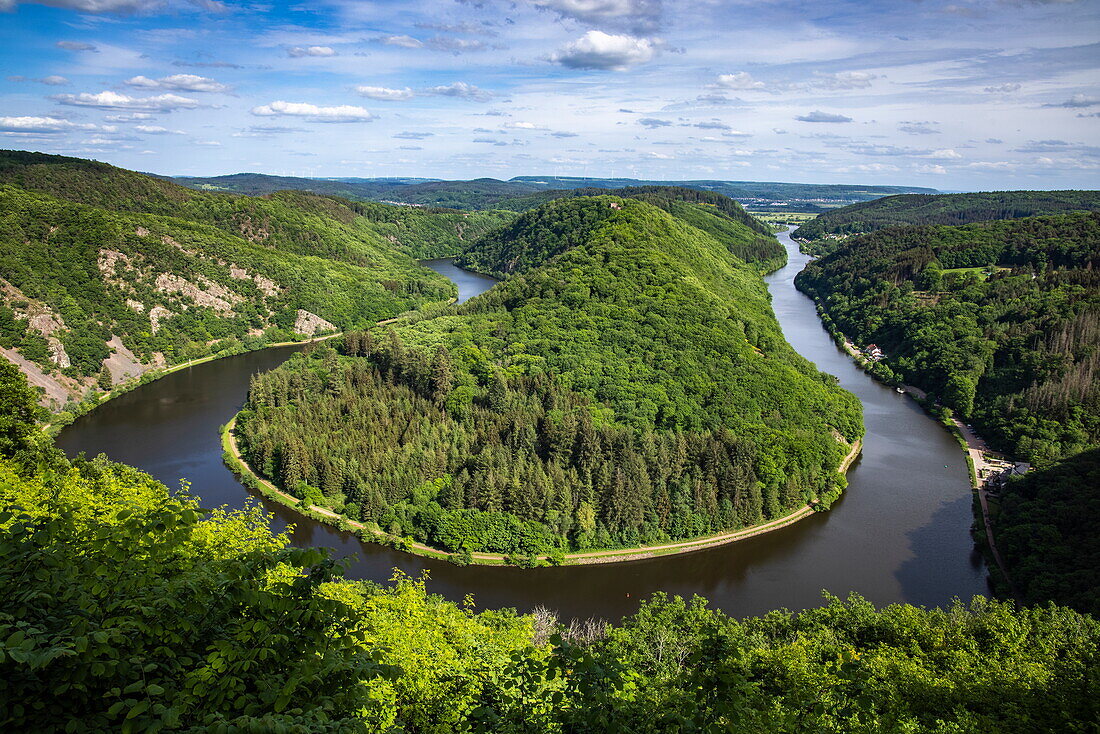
(628,384)
(1000,321)
(100,261)
(948,209)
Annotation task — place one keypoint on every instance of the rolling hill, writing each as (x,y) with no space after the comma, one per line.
(107,273)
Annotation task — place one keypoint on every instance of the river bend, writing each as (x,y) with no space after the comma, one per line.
(900,533)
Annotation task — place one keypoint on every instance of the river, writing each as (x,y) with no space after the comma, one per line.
(900,533)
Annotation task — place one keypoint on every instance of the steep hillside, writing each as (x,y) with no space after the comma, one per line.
(1048,530)
(950,209)
(106,273)
(541,233)
(628,384)
(1000,321)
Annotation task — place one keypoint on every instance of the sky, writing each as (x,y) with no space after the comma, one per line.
(951,94)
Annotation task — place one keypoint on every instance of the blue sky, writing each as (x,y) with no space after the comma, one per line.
(954,94)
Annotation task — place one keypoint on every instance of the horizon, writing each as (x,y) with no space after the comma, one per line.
(974,96)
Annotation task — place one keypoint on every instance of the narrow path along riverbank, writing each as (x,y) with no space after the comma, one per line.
(245,472)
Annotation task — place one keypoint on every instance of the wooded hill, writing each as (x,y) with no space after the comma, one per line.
(949,209)
(999,321)
(628,384)
(106,272)
(125,607)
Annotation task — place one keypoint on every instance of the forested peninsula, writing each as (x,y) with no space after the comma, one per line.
(627,384)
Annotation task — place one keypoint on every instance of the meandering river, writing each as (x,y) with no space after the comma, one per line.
(899,533)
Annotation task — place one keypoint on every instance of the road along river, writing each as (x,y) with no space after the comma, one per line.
(899,533)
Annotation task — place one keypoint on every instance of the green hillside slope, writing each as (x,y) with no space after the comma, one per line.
(1048,530)
(949,209)
(628,384)
(998,320)
(539,238)
(107,273)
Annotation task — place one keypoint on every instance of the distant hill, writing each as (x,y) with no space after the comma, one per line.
(762,193)
(106,273)
(526,192)
(951,209)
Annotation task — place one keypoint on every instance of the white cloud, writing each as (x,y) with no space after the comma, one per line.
(384,93)
(53,80)
(525,126)
(1077,100)
(130,117)
(156,130)
(314,113)
(638,15)
(122,7)
(400,41)
(846,80)
(917,127)
(932,168)
(943,153)
(115,101)
(179,83)
(653,122)
(661,156)
(738,80)
(1008,88)
(297,52)
(819,116)
(461,90)
(46,125)
(76,46)
(606,52)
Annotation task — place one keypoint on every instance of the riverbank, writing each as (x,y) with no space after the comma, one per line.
(58,421)
(972,446)
(249,478)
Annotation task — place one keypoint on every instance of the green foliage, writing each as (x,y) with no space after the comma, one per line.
(950,209)
(1014,346)
(126,608)
(628,385)
(107,252)
(549,230)
(1047,528)
(18,412)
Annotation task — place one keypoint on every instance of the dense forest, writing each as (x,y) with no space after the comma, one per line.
(1048,530)
(628,384)
(542,233)
(997,320)
(107,273)
(124,607)
(948,209)
(1000,321)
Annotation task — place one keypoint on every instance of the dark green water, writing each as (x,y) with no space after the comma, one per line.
(900,533)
